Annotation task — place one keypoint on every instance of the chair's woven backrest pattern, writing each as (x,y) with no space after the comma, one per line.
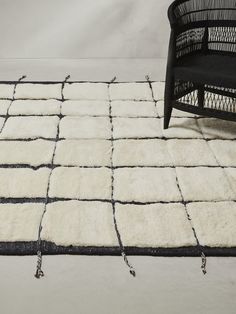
(189,41)
(204,24)
(191,11)
(222,39)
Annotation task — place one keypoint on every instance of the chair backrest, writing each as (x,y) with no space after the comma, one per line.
(202,12)
(204,24)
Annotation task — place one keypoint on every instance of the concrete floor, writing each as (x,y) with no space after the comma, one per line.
(83,284)
(102,285)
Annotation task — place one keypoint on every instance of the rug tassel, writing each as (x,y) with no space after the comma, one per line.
(39,273)
(113,80)
(131,269)
(204,261)
(122,250)
(22,78)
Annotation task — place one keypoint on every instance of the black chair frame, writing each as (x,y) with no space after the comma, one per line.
(201,28)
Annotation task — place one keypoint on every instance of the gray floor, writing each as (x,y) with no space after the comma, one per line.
(83,284)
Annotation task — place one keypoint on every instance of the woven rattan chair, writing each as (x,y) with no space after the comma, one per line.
(201,67)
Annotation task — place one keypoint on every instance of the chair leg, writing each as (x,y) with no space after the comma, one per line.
(167,115)
(169,90)
(201,96)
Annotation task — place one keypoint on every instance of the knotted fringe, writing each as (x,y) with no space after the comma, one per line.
(204,261)
(131,269)
(113,80)
(150,85)
(122,249)
(62,87)
(39,272)
(22,78)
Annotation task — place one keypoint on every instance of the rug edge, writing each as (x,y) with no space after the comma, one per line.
(22,248)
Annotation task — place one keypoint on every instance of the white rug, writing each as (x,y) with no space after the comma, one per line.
(86,168)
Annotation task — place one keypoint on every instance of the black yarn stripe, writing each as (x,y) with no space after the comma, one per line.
(13,98)
(153,97)
(39,273)
(15,200)
(52,139)
(28,166)
(203,257)
(114,139)
(122,249)
(49,248)
(80,99)
(34,115)
(95,116)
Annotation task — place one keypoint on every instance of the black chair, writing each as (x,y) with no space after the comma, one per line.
(201,66)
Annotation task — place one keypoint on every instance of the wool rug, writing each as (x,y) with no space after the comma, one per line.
(86,168)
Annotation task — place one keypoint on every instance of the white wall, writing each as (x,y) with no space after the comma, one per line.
(83,28)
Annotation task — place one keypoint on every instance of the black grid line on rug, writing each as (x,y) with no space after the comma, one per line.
(23,248)
(20,166)
(22,200)
(122,249)
(153,98)
(114,139)
(200,248)
(6,116)
(39,273)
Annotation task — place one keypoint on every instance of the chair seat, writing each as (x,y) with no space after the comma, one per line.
(212,69)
